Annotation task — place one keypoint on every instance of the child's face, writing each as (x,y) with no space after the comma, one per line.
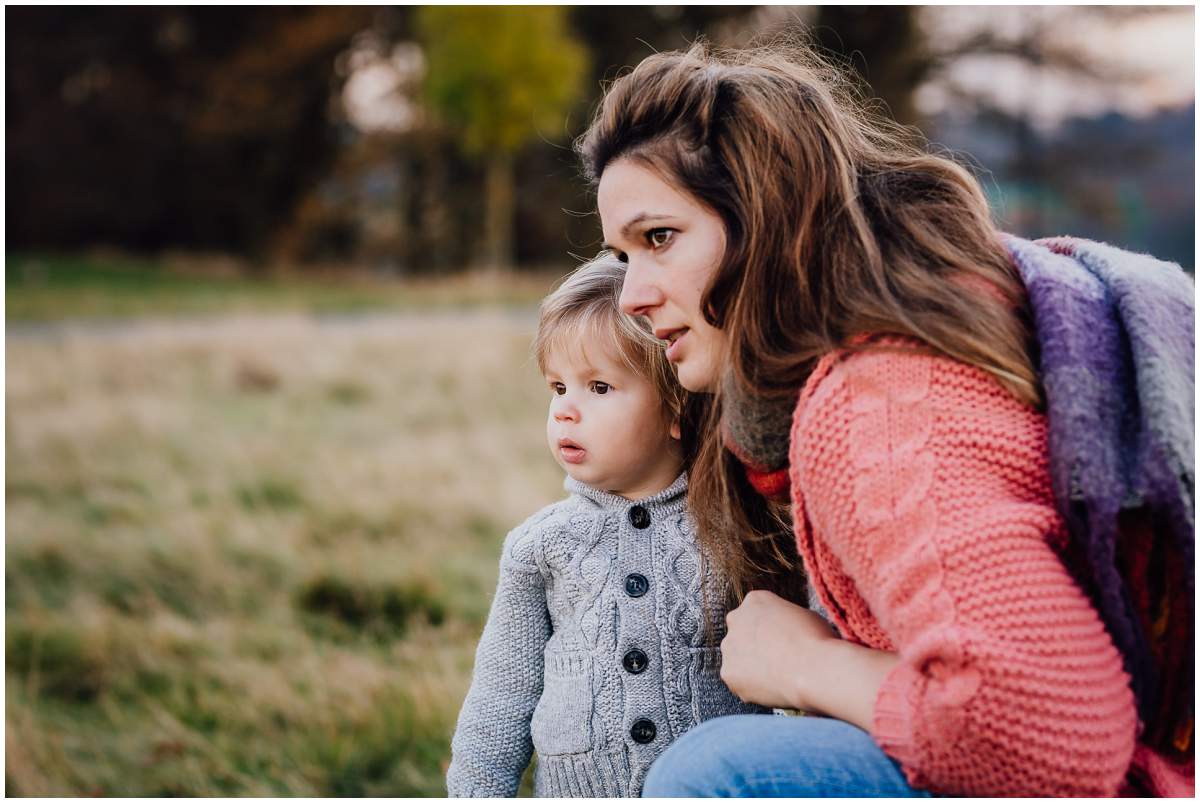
(607,427)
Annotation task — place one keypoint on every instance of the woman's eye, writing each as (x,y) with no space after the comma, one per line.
(660,238)
(600,388)
(559,388)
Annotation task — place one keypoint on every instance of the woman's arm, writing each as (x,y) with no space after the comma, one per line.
(926,489)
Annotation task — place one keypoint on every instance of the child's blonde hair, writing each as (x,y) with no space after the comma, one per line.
(587,305)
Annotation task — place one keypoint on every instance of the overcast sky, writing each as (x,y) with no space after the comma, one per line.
(1160,46)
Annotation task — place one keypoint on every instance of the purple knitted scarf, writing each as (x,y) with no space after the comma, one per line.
(1117,344)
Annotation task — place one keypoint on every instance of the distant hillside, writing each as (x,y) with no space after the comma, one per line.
(1125,180)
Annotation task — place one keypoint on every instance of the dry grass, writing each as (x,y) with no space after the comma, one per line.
(252,556)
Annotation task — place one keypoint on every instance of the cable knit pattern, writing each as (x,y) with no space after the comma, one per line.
(926,520)
(549,670)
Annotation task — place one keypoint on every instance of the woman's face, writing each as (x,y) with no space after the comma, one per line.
(672,245)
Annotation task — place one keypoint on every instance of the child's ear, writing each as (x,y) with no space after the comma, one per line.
(676,433)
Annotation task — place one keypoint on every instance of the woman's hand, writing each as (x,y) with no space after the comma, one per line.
(779,655)
(768,643)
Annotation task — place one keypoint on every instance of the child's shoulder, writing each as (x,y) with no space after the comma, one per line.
(523,544)
(555,514)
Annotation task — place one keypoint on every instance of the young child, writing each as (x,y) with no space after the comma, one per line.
(596,652)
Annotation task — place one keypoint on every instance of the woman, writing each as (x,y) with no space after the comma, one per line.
(849,305)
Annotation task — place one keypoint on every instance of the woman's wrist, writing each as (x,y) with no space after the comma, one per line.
(808,688)
(842,681)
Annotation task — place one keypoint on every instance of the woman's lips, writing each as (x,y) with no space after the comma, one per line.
(673,349)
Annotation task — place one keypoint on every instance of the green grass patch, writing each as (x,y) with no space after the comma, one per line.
(382,611)
(337,526)
(264,570)
(162,578)
(111,512)
(349,393)
(124,594)
(43,573)
(398,751)
(58,659)
(100,502)
(270,494)
(49,287)
(485,528)
(27,489)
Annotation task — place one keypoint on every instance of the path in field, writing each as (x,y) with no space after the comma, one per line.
(193,327)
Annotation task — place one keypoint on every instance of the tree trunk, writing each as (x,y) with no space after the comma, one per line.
(499,209)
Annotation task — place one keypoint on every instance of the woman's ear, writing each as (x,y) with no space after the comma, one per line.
(676,433)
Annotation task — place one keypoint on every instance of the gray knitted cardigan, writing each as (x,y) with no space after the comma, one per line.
(594,652)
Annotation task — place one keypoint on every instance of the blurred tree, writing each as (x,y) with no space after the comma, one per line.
(618,37)
(1033,40)
(895,50)
(884,46)
(151,127)
(621,36)
(432,187)
(498,76)
(224,128)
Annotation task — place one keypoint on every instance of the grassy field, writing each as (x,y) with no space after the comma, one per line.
(47,287)
(251,554)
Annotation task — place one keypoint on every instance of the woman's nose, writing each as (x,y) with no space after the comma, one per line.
(638,294)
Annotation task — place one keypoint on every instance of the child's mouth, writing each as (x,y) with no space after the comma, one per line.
(571,452)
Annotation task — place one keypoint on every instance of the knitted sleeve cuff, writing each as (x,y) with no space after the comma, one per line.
(892,725)
(922,711)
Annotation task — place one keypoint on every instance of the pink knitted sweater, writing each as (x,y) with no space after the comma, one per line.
(926,522)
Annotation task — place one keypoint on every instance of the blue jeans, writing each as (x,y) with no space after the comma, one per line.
(773,756)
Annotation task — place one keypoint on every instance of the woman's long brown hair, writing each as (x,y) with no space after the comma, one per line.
(838,223)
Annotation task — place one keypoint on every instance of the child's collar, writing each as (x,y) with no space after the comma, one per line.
(673,493)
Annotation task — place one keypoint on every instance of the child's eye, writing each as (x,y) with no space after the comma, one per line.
(558,387)
(660,238)
(600,388)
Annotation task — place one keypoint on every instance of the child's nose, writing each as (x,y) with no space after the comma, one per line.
(565,411)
